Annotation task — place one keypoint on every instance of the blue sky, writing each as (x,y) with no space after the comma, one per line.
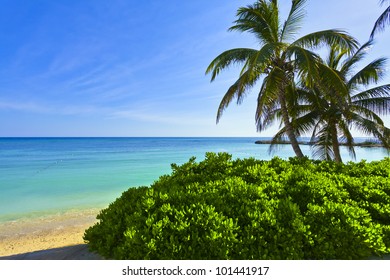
(137,68)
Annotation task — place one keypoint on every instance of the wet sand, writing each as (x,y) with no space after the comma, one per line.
(60,232)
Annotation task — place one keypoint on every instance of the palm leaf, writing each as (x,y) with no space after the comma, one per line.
(269,117)
(290,26)
(381,22)
(376,92)
(367,114)
(260,19)
(228,58)
(371,73)
(347,137)
(376,99)
(372,128)
(379,105)
(366,126)
(334,57)
(322,148)
(304,124)
(332,82)
(355,58)
(304,60)
(238,90)
(261,59)
(276,139)
(268,95)
(331,37)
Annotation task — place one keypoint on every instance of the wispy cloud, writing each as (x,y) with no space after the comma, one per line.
(160,118)
(51,109)
(26,107)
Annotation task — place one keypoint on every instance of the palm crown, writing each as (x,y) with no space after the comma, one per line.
(330,113)
(280,60)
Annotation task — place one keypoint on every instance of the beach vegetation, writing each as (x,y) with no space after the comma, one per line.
(224,208)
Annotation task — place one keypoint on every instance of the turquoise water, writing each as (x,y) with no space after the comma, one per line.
(46,175)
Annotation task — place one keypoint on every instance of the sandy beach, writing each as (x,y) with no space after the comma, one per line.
(43,233)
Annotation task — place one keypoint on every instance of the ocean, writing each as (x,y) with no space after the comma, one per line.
(43,176)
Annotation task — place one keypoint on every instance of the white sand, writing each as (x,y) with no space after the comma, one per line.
(47,232)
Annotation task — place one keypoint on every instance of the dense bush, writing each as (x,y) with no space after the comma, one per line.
(221,208)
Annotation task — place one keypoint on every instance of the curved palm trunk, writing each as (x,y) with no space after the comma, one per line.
(289,128)
(335,143)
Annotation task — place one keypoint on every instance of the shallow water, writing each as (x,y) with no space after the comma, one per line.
(42,176)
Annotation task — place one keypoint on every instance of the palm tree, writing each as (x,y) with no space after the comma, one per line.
(382,20)
(280,60)
(330,114)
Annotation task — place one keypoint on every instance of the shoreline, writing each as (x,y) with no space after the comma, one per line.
(46,232)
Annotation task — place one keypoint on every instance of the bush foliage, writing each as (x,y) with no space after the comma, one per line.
(222,208)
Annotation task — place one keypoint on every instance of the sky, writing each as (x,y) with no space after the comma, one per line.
(137,68)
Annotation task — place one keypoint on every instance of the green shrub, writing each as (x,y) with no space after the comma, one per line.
(222,208)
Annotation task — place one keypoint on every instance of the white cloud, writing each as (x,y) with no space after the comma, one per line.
(172,119)
(20,106)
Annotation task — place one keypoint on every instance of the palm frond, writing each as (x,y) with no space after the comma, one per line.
(311,97)
(269,116)
(316,128)
(366,125)
(261,59)
(376,99)
(371,73)
(350,62)
(301,125)
(331,37)
(260,19)
(238,90)
(381,22)
(346,137)
(334,57)
(277,138)
(228,58)
(322,148)
(332,82)
(268,95)
(376,92)
(378,105)
(304,60)
(385,138)
(291,25)
(366,113)
(371,128)
(305,123)
(303,109)
(291,97)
